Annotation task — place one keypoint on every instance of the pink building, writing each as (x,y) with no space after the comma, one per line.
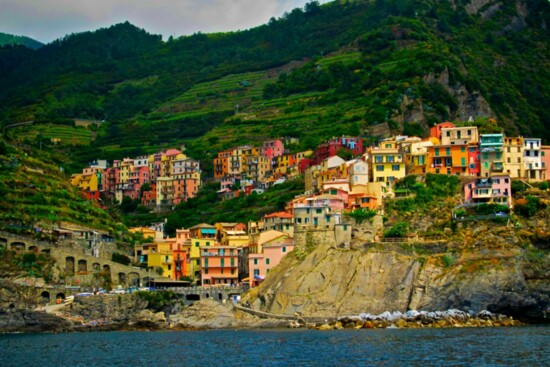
(493,189)
(273,148)
(545,159)
(259,265)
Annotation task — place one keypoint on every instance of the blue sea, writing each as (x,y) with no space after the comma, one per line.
(515,346)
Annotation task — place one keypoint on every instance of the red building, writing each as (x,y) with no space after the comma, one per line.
(331,148)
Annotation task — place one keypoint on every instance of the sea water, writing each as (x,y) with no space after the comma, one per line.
(513,346)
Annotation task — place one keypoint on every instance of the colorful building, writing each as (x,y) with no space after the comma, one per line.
(491,154)
(386,165)
(513,157)
(260,264)
(219,265)
(532,161)
(495,190)
(448,159)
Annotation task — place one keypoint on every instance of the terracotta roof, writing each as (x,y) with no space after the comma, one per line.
(279,215)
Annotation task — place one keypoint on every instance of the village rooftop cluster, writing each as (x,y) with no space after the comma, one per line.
(231,253)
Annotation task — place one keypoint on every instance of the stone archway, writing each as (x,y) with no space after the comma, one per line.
(69,265)
(33,248)
(59,297)
(45,296)
(122,278)
(18,246)
(82,266)
(96,267)
(193,297)
(133,279)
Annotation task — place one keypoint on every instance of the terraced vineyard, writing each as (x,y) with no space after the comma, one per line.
(62,134)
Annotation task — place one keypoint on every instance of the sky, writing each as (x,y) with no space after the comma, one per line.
(47,20)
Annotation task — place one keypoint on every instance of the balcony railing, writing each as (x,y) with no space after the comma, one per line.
(497,167)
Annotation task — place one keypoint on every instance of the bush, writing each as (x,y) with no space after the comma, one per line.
(398,230)
(447,260)
(527,207)
(360,215)
(121,259)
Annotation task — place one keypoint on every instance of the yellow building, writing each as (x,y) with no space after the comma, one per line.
(162,257)
(513,157)
(386,164)
(87,182)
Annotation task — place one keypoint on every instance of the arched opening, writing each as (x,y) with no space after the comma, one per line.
(147,282)
(69,265)
(82,266)
(133,279)
(17,246)
(59,297)
(45,296)
(33,248)
(3,241)
(207,295)
(96,267)
(220,296)
(122,278)
(193,297)
(106,268)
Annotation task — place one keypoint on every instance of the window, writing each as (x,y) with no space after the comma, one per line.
(395,167)
(198,262)
(390,158)
(318,211)
(205,271)
(222,262)
(378,159)
(436,152)
(197,244)
(267,261)
(284,248)
(380,168)
(207,243)
(255,261)
(256,272)
(463,149)
(447,151)
(232,271)
(205,263)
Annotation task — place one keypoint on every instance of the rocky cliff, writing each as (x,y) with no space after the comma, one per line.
(480,268)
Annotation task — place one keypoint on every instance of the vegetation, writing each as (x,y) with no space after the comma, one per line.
(121,259)
(400,230)
(157,301)
(360,215)
(10,39)
(317,72)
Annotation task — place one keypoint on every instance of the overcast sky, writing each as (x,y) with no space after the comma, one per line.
(47,20)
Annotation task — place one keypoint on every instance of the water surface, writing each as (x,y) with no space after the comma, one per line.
(515,346)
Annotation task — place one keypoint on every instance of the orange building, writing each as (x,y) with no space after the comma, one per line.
(219,265)
(448,159)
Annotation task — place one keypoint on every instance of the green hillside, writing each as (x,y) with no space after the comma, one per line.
(34,193)
(325,70)
(10,39)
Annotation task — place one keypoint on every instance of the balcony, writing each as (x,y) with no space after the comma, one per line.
(485,149)
(497,167)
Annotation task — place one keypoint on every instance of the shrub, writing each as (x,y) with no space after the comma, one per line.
(360,215)
(447,260)
(527,207)
(120,258)
(398,230)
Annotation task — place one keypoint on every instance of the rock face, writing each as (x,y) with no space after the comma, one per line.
(209,314)
(333,282)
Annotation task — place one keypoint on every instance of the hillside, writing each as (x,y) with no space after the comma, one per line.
(35,194)
(10,39)
(344,67)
